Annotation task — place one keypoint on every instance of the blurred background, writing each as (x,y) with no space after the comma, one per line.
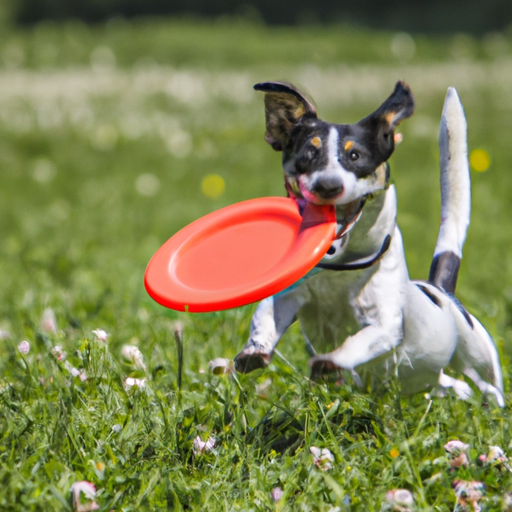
(122,120)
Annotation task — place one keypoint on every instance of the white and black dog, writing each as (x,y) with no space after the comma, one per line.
(358,304)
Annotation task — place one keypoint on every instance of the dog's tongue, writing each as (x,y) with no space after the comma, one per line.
(313,214)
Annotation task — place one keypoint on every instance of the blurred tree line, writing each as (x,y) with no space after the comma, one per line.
(434,16)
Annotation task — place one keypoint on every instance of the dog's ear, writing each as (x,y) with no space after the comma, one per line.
(285,106)
(399,106)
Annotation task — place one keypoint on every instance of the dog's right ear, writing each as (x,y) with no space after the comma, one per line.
(285,106)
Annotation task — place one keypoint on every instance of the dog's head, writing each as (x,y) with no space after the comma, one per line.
(332,163)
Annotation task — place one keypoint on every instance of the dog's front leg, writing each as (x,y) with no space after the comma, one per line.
(369,343)
(270,320)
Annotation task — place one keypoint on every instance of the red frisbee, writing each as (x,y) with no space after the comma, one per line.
(239,254)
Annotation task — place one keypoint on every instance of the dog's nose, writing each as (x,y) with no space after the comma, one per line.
(328,187)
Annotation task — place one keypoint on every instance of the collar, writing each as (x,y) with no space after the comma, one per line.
(363,262)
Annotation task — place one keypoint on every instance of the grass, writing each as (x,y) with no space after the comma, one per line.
(106,136)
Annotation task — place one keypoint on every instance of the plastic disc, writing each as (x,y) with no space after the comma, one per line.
(239,254)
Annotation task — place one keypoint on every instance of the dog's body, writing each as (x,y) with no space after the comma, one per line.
(359,304)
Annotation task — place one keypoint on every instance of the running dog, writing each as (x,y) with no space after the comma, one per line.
(358,305)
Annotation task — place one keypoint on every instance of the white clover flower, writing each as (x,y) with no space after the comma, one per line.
(130,382)
(277,494)
(48,322)
(132,354)
(75,372)
(4,335)
(469,493)
(101,335)
(496,454)
(400,500)
(323,458)
(117,428)
(199,446)
(220,366)
(58,353)
(24,347)
(457,453)
(88,491)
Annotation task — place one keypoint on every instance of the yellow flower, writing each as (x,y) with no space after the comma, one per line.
(213,185)
(479,160)
(394,453)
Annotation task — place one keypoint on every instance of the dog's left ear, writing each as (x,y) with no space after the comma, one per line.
(285,106)
(399,106)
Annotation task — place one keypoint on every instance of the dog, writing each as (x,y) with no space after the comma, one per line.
(358,305)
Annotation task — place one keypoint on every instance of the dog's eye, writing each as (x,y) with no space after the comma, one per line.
(354,155)
(311,153)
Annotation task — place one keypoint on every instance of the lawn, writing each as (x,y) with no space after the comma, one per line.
(109,137)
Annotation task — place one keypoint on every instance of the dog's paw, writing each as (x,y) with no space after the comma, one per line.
(322,367)
(246,361)
(461,388)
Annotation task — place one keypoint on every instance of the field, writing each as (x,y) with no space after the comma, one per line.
(109,137)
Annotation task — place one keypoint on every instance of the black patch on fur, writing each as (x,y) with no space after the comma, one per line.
(429,294)
(463,311)
(444,271)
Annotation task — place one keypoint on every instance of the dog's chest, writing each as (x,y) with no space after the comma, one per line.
(339,305)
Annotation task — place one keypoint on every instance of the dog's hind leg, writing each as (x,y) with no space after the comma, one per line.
(270,320)
(477,358)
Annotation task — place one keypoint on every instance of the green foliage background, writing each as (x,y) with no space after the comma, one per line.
(106,134)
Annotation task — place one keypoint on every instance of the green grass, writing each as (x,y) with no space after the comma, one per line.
(106,134)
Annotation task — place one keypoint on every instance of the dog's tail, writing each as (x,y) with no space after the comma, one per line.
(455,195)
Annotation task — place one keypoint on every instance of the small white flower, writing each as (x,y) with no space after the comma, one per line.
(469,494)
(132,354)
(75,372)
(220,366)
(100,335)
(89,493)
(496,457)
(24,347)
(322,458)
(4,335)
(400,500)
(496,454)
(117,428)
(457,453)
(130,382)
(58,353)
(199,446)
(277,494)
(48,322)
